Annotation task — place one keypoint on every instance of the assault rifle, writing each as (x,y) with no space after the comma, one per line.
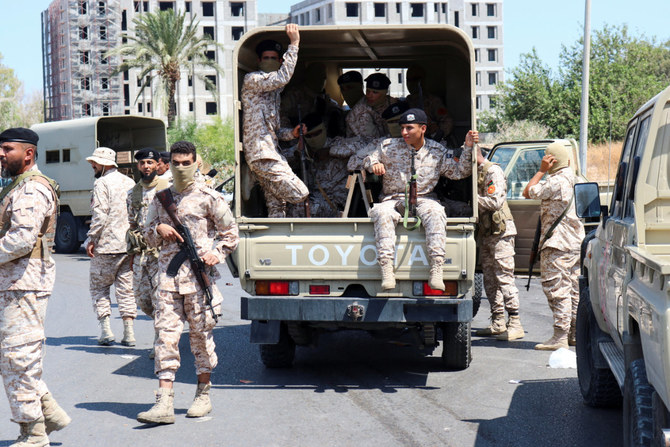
(187,250)
(411,195)
(534,250)
(303,162)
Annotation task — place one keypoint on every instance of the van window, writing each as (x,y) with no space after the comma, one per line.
(502,156)
(641,141)
(616,207)
(53,156)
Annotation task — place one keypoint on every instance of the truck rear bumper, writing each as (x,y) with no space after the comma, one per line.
(374,310)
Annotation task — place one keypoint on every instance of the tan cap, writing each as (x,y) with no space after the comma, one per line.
(104,156)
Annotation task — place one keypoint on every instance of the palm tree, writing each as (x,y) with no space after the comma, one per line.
(163,45)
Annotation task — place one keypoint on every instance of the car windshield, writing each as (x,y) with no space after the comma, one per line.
(503,155)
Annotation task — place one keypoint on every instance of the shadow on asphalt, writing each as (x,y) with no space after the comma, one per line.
(493,343)
(548,398)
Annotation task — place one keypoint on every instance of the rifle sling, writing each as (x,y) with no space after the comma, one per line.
(553,226)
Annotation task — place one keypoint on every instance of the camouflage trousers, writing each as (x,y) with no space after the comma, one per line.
(145,281)
(21,351)
(172,311)
(386,216)
(560,282)
(497,259)
(280,185)
(108,270)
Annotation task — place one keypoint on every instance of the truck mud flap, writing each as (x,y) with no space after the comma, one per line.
(368,310)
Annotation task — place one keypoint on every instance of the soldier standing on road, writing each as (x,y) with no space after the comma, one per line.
(559,250)
(28,208)
(365,118)
(260,103)
(392,159)
(110,264)
(496,245)
(145,258)
(180,298)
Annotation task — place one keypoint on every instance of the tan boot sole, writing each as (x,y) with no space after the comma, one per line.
(155,420)
(507,336)
(554,347)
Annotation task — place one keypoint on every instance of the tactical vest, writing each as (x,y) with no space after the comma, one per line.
(135,243)
(45,237)
(491,222)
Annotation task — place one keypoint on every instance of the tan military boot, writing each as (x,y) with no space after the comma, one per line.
(496,327)
(559,340)
(163,410)
(514,329)
(388,277)
(106,336)
(436,280)
(55,418)
(128,333)
(33,434)
(572,333)
(201,404)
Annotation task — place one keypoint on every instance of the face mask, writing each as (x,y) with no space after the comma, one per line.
(268,65)
(394,129)
(353,96)
(316,138)
(183,176)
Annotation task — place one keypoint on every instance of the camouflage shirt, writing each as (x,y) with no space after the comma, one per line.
(492,194)
(109,221)
(260,104)
(430,163)
(555,193)
(364,120)
(212,226)
(438,115)
(28,205)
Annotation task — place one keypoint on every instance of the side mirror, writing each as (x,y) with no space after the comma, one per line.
(587,200)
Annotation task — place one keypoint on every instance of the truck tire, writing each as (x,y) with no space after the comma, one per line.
(457,345)
(66,239)
(597,384)
(661,419)
(477,293)
(280,355)
(637,414)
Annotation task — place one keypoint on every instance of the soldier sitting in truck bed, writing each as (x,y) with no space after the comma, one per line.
(364,119)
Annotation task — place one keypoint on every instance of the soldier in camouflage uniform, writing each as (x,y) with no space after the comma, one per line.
(440,123)
(392,159)
(496,251)
(28,207)
(559,260)
(144,258)
(180,298)
(351,87)
(110,264)
(365,118)
(260,103)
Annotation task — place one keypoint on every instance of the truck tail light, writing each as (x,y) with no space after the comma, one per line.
(319,290)
(422,288)
(277,287)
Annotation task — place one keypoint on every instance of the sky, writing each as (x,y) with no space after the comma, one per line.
(541,24)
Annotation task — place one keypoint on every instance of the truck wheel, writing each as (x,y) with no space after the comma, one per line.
(637,415)
(597,384)
(66,239)
(280,355)
(661,419)
(457,345)
(477,294)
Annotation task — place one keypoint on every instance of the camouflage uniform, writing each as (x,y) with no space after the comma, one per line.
(430,163)
(355,149)
(180,299)
(438,115)
(363,120)
(111,265)
(260,103)
(496,250)
(559,259)
(26,282)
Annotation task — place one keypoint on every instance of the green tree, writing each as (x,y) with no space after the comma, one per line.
(10,92)
(163,45)
(215,141)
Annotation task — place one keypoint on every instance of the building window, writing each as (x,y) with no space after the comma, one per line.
(103,58)
(145,6)
(444,8)
(66,155)
(317,15)
(475,32)
(148,107)
(141,6)
(84,57)
(208,31)
(105,109)
(190,81)
(124,21)
(208,9)
(478,102)
(492,55)
(237,9)
(83,7)
(492,102)
(103,33)
(397,8)
(126,75)
(477,55)
(475,9)
(352,9)
(190,106)
(491,30)
(85,83)
(211,55)
(493,78)
(102,8)
(416,9)
(478,78)
(164,6)
(329,10)
(126,95)
(83,32)
(86,110)
(139,82)
(491,9)
(400,78)
(211,85)
(456,24)
(187,6)
(237,32)
(139,107)
(53,156)
(380,9)
(210,108)
(104,83)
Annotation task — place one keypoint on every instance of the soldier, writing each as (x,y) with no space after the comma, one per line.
(180,298)
(28,207)
(144,258)
(440,122)
(393,159)
(496,244)
(309,95)
(260,103)
(351,87)
(110,264)
(163,166)
(562,235)
(365,118)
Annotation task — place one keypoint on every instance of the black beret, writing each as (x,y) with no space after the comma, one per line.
(312,120)
(19,135)
(269,45)
(414,116)
(350,76)
(377,81)
(395,109)
(147,152)
(165,156)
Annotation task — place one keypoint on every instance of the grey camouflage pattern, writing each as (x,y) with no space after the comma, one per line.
(109,221)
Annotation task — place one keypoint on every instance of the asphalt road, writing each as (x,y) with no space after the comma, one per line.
(352,390)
